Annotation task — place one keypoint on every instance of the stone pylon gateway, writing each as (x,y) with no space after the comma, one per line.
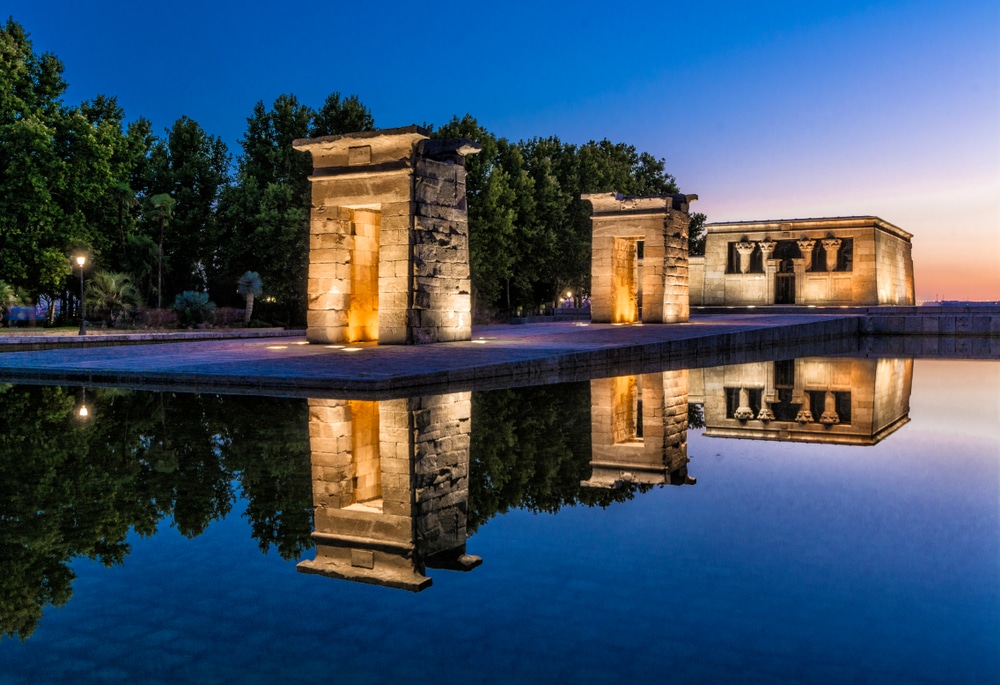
(391,488)
(639,267)
(639,430)
(388,238)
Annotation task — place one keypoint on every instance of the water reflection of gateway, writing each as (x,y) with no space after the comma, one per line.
(390,487)
(844,401)
(639,430)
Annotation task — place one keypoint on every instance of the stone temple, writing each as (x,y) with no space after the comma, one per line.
(388,238)
(639,265)
(861,260)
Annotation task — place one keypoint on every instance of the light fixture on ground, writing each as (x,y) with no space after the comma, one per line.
(80,261)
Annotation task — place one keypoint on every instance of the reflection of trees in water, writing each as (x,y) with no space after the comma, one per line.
(696,415)
(70,488)
(531,449)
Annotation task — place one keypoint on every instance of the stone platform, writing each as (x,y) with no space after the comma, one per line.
(498,356)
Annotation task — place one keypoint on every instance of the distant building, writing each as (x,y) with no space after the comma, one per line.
(839,261)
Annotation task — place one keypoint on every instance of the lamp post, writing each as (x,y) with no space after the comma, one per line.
(80,261)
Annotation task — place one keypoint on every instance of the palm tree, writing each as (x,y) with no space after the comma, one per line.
(8,297)
(249,286)
(111,296)
(124,198)
(161,209)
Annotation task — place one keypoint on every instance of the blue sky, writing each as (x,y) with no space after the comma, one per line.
(766,110)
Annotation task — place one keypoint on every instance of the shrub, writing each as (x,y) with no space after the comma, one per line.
(193,307)
(112,298)
(157,318)
(228,316)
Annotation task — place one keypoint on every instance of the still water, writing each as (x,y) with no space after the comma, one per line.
(810,520)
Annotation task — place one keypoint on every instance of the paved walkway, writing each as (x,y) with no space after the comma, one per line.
(497,356)
(18,339)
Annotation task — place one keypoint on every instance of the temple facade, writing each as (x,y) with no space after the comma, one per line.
(824,400)
(823,262)
(388,238)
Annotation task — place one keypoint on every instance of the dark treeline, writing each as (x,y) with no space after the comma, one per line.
(81,178)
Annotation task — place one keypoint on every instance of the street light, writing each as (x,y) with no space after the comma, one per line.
(82,411)
(80,261)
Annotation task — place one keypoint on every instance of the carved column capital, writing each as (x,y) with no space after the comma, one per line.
(830,416)
(806,246)
(745,248)
(767,247)
(743,412)
(831,245)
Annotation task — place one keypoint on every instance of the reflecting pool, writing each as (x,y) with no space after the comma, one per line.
(810,519)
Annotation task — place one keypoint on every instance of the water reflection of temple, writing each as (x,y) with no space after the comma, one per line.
(845,401)
(390,487)
(639,430)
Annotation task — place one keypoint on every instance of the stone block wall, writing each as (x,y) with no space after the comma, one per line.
(894,266)
(639,441)
(696,280)
(441,286)
(390,486)
(618,278)
(442,437)
(389,246)
(891,394)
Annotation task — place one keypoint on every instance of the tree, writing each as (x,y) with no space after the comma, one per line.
(193,168)
(338,116)
(111,296)
(696,234)
(161,210)
(529,231)
(264,215)
(8,298)
(124,198)
(249,286)
(492,214)
(58,168)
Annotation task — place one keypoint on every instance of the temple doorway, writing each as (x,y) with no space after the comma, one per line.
(784,283)
(625,278)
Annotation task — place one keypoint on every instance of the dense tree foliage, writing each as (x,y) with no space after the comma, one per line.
(60,167)
(73,487)
(172,212)
(529,230)
(265,212)
(531,449)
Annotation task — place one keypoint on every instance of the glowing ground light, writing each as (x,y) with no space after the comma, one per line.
(334,347)
(353,349)
(277,347)
(302,342)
